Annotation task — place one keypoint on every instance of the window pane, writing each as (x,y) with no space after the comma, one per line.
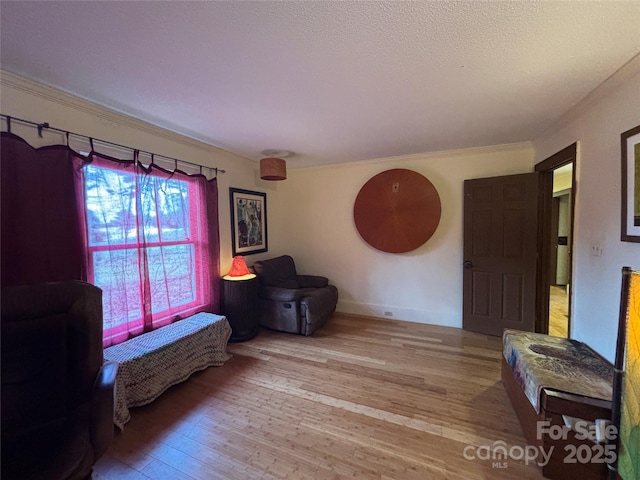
(171,276)
(165,208)
(173,200)
(111,206)
(112,209)
(116,273)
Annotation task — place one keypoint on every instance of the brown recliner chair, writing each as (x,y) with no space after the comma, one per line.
(57,396)
(290,302)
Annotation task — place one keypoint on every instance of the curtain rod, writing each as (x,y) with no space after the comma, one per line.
(45,125)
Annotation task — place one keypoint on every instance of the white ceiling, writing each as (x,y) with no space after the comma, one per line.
(331,81)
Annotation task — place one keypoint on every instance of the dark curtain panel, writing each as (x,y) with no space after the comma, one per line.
(41,233)
(211,199)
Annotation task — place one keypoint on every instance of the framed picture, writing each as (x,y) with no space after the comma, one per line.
(631,185)
(248,221)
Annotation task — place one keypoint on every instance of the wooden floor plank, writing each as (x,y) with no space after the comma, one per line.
(558,311)
(361,398)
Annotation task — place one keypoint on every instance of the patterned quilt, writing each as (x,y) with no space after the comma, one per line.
(154,361)
(540,361)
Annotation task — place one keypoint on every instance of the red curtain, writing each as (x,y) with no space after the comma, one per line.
(40,232)
(152,244)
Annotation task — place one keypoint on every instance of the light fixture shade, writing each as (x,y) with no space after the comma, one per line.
(239,270)
(273,169)
(238,267)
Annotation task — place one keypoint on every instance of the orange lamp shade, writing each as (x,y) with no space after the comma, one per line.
(273,169)
(239,270)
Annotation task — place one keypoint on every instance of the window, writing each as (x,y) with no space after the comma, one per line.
(147,245)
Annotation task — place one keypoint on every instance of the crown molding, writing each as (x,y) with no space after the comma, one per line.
(105,114)
(441,154)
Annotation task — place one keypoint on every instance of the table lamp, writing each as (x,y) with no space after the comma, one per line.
(239,270)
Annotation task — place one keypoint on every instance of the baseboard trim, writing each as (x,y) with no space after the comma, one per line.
(445,319)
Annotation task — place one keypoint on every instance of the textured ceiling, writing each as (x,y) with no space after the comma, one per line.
(331,81)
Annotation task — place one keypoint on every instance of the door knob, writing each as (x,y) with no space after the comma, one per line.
(468,264)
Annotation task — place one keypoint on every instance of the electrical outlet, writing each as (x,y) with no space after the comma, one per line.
(388,314)
(596,250)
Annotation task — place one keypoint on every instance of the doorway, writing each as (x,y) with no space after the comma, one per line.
(560,271)
(555,242)
(517,254)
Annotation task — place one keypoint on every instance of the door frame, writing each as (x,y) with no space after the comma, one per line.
(543,282)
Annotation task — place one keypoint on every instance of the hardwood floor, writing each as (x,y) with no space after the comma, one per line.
(361,398)
(558,312)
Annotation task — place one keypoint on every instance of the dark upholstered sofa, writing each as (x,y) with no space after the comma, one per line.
(290,302)
(57,396)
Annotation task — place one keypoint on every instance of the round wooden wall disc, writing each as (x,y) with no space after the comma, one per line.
(397,211)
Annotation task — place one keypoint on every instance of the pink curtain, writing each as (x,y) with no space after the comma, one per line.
(40,233)
(152,244)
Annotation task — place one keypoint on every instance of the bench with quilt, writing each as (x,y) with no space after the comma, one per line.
(154,361)
(558,381)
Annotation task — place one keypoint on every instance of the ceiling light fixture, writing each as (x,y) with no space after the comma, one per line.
(274,167)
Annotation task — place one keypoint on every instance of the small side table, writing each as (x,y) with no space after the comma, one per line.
(240,306)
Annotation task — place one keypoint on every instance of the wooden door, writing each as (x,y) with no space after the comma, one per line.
(500,253)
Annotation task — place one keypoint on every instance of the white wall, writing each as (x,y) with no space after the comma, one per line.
(35,102)
(596,124)
(311,218)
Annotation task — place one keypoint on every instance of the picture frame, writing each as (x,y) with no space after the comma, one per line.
(248,221)
(630,140)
